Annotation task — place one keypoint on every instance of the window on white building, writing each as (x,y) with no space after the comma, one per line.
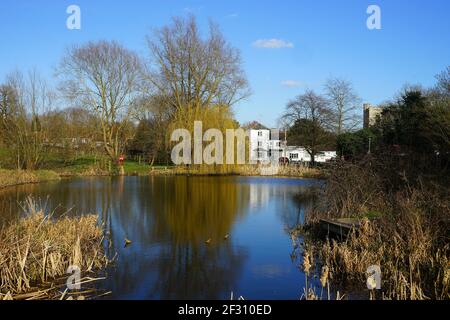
(293,156)
(259,133)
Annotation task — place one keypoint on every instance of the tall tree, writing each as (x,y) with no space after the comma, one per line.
(344,102)
(105,78)
(418,121)
(308,116)
(151,136)
(443,84)
(23,100)
(439,113)
(191,71)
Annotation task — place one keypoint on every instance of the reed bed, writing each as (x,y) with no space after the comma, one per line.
(91,171)
(244,170)
(404,230)
(301,171)
(36,251)
(16,177)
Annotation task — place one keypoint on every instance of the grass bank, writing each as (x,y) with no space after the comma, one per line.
(243,170)
(90,166)
(36,251)
(15,177)
(94,166)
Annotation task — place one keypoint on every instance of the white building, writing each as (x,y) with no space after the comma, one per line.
(297,154)
(325,156)
(266,145)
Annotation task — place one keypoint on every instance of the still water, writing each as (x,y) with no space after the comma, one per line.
(169,220)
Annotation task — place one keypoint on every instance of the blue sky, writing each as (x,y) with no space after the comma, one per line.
(321,38)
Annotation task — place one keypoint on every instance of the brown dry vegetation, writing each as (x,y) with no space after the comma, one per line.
(36,251)
(405,230)
(91,171)
(15,177)
(243,170)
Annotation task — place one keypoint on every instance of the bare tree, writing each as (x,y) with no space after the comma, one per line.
(443,85)
(308,117)
(344,102)
(191,71)
(23,100)
(309,105)
(80,132)
(105,78)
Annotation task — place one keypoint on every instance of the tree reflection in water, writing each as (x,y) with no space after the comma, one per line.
(173,217)
(169,219)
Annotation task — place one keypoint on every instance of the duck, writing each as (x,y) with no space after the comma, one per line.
(226,236)
(127,242)
(208,241)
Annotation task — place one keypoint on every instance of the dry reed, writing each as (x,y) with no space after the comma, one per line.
(243,170)
(36,251)
(15,177)
(404,230)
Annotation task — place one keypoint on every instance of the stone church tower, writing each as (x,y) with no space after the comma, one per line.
(370,115)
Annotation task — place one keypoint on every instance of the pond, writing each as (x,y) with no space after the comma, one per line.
(192,237)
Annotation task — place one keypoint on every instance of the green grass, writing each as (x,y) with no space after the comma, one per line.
(132,167)
(78,166)
(4,157)
(373,214)
(4,152)
(87,164)
(83,165)
(46,175)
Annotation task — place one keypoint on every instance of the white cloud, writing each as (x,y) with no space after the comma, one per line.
(291,83)
(192,10)
(272,44)
(232,15)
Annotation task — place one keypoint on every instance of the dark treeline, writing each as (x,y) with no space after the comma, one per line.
(414,129)
(416,124)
